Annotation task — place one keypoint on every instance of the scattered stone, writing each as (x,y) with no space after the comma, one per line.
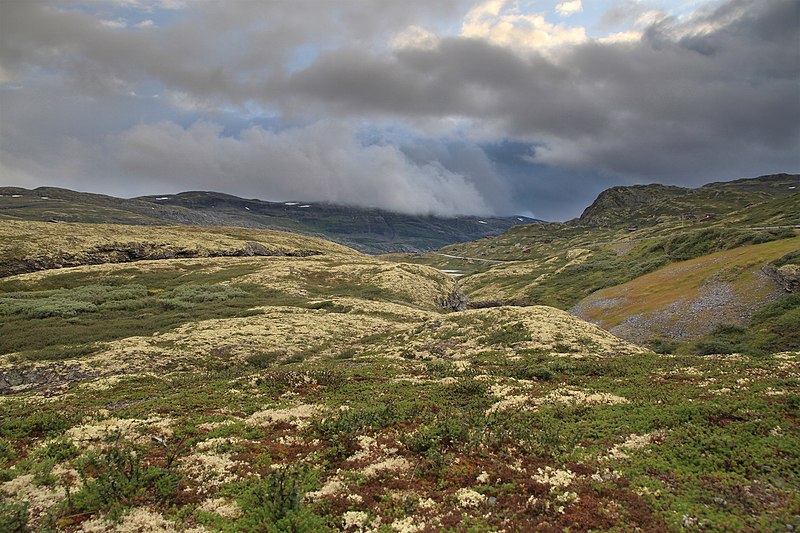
(48,377)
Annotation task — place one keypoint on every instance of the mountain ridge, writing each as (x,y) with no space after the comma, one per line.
(367,230)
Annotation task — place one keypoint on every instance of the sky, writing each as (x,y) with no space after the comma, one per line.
(447,107)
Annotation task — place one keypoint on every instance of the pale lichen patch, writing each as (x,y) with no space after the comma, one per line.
(509,403)
(224,507)
(469,498)
(409,524)
(136,430)
(40,498)
(295,414)
(331,487)
(391,464)
(354,520)
(556,478)
(136,520)
(581,397)
(209,470)
(512,397)
(632,443)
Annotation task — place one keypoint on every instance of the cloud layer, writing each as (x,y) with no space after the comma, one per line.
(397,106)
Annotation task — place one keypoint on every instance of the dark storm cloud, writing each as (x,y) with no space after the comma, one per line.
(714,95)
(227,49)
(273,99)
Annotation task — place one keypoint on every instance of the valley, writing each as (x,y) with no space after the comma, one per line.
(584,376)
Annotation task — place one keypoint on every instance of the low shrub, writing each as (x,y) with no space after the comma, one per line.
(116,476)
(14,517)
(506,335)
(263,359)
(275,502)
(443,432)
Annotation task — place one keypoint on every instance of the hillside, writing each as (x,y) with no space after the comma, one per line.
(689,299)
(644,228)
(644,205)
(336,391)
(367,230)
(32,246)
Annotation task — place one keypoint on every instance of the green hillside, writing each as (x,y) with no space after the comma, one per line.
(627,234)
(645,205)
(688,299)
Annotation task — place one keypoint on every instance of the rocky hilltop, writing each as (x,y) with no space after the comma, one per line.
(643,204)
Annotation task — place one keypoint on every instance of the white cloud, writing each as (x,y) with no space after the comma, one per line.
(414,37)
(621,37)
(148,5)
(495,22)
(321,162)
(570,7)
(117,24)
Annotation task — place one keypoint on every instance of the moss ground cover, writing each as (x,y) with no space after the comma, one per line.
(637,441)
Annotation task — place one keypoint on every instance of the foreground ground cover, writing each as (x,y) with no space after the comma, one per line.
(336,392)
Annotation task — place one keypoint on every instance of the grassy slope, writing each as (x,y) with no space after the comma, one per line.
(647,205)
(29,246)
(45,203)
(699,294)
(566,272)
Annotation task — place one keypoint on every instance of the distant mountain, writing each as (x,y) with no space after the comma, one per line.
(367,230)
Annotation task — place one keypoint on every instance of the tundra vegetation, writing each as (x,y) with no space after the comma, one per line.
(302,386)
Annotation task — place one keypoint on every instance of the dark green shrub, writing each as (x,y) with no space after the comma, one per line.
(562,366)
(7,452)
(354,421)
(562,347)
(346,353)
(507,335)
(538,372)
(439,368)
(263,359)
(663,346)
(115,476)
(469,387)
(445,431)
(715,346)
(725,339)
(38,424)
(58,450)
(790,258)
(274,503)
(330,306)
(14,517)
(61,352)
